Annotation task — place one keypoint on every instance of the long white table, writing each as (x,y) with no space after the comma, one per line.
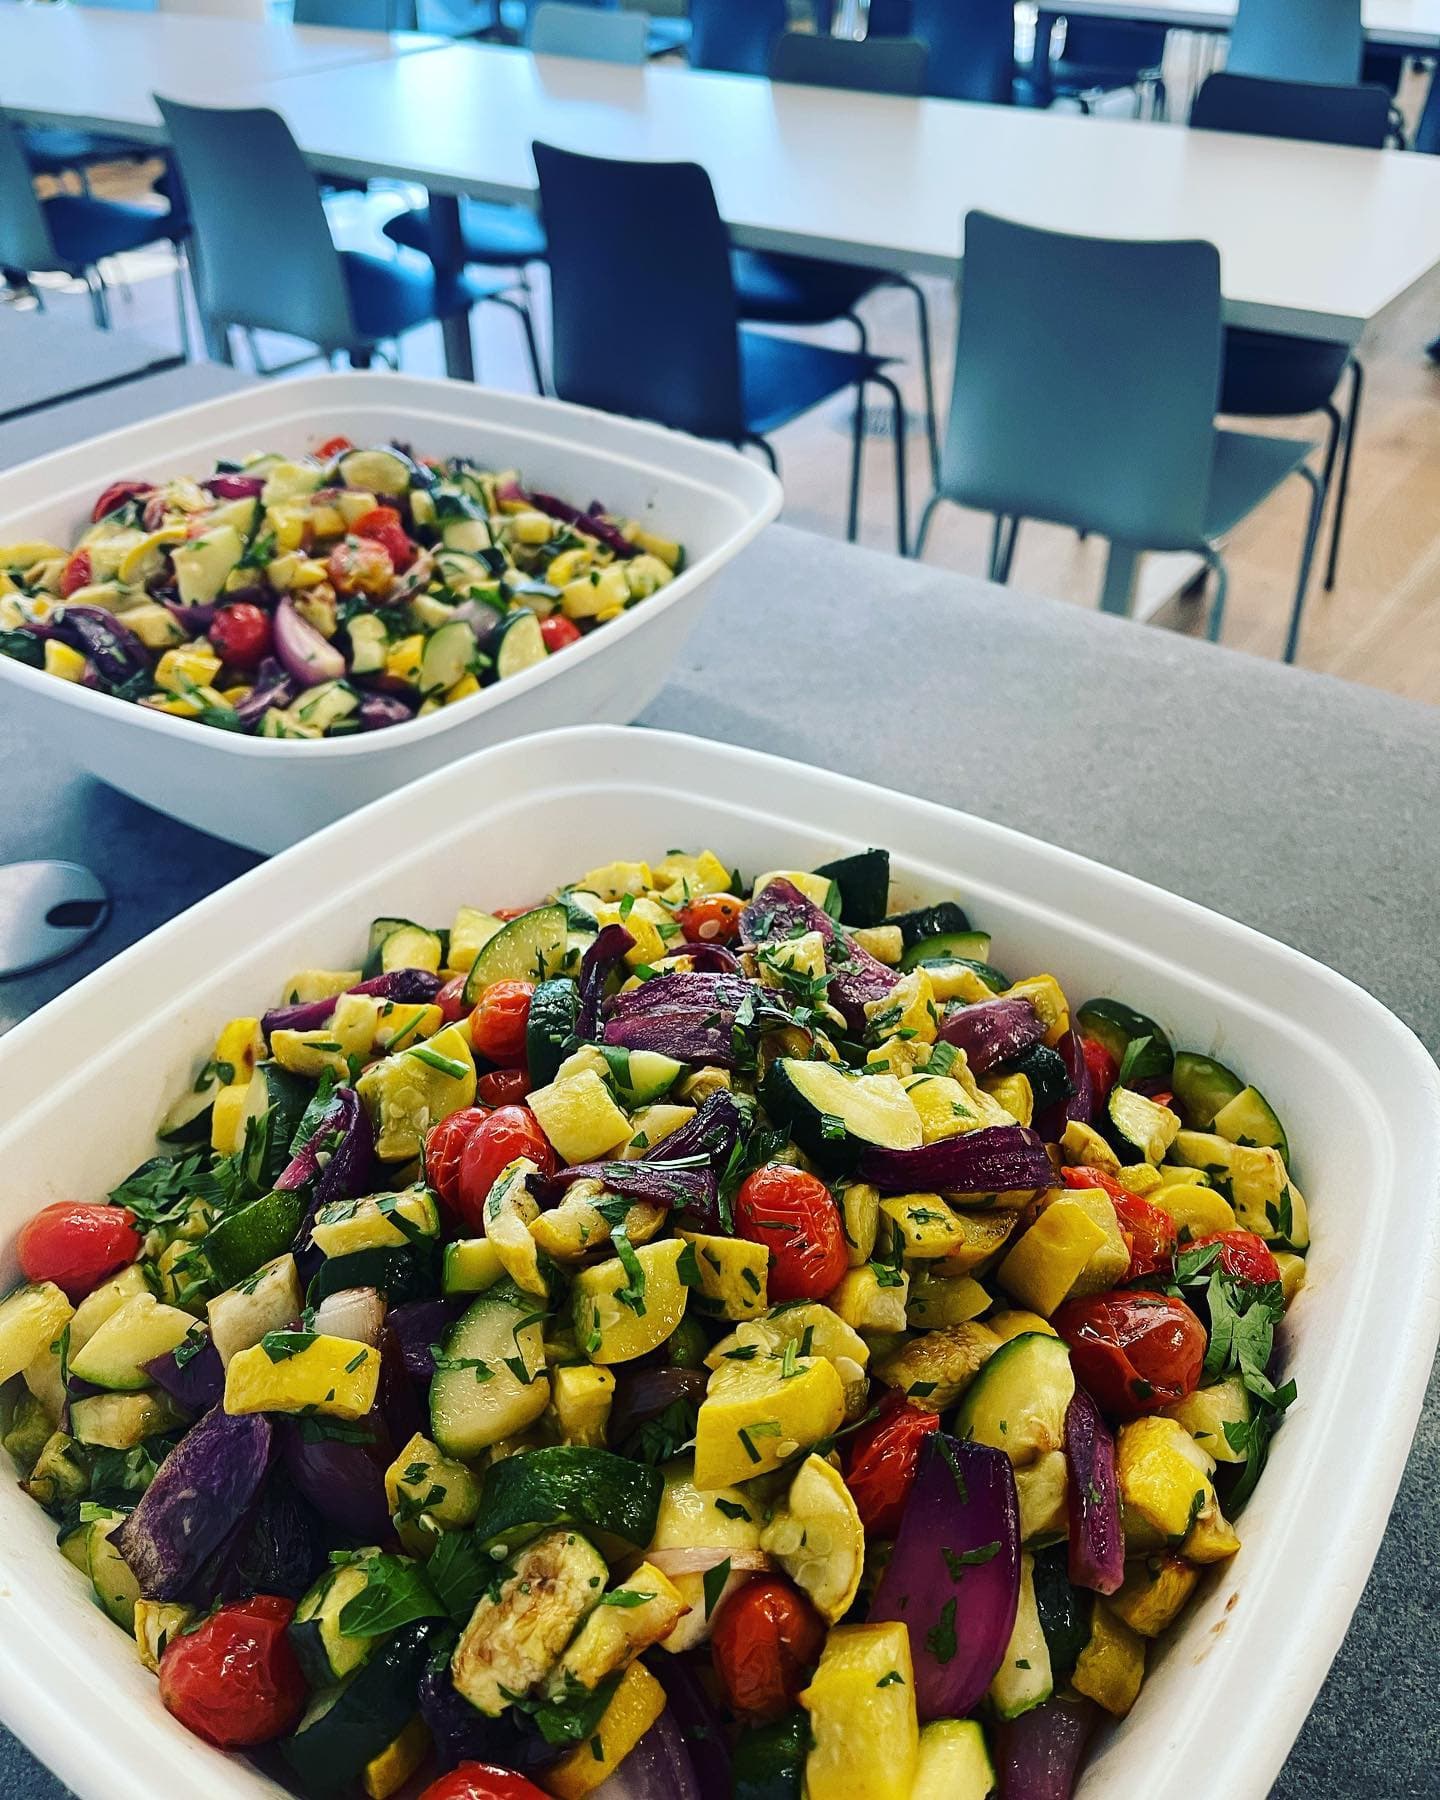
(1406,24)
(1314,240)
(110,63)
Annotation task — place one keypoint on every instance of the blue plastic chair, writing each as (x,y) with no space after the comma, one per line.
(1268,375)
(669,346)
(1100,56)
(736,37)
(1319,40)
(971,44)
(358,15)
(597,33)
(250,190)
(73,233)
(1086,376)
(777,289)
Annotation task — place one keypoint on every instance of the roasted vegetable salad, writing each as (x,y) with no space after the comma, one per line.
(683,1336)
(343,591)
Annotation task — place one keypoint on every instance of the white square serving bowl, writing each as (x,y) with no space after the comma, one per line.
(86,1077)
(266,793)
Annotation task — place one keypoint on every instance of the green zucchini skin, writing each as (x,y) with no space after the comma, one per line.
(329,1754)
(769,1760)
(948,946)
(400,1275)
(1115,1025)
(864,883)
(550,1029)
(594,1490)
(922,922)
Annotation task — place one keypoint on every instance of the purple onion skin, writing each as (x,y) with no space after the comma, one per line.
(111,646)
(588,522)
(710,959)
(679,991)
(1081,1103)
(416,1327)
(1038,1755)
(713,1132)
(235,487)
(642,1394)
(271,687)
(202,1490)
(277,1551)
(660,1767)
(377,711)
(992,1031)
(409,986)
(1097,1536)
(781,910)
(461,1733)
(689,1190)
(347,1172)
(963,1500)
(998,1159)
(694,1713)
(344,1482)
(308,657)
(697,1035)
(399,1406)
(197,1385)
(600,958)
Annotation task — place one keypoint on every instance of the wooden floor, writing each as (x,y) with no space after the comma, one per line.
(1380,626)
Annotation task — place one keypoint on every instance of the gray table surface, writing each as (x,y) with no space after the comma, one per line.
(44,359)
(1299,804)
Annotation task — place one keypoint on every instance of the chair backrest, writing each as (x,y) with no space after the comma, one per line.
(265,257)
(655,336)
(972,48)
(871,66)
(357,15)
(1319,40)
(1116,44)
(25,240)
(1086,377)
(736,36)
(1427,132)
(1293,109)
(561,28)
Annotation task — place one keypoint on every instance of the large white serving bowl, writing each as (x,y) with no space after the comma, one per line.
(266,793)
(85,1079)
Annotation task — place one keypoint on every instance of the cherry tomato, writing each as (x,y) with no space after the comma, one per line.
(798,1222)
(77,1245)
(333,447)
(235,1680)
(1102,1066)
(508,1132)
(497,1025)
(1149,1232)
(880,1463)
(504,1087)
(77,573)
(713,920)
(1151,1235)
(1243,1256)
(443,1147)
(765,1641)
(1134,1353)
(513,912)
(1163,1097)
(115,496)
(382,526)
(361,566)
(451,999)
(558,632)
(482,1781)
(241,635)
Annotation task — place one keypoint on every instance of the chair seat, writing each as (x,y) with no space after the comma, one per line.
(797,290)
(86,230)
(388,298)
(1090,78)
(503,236)
(52,149)
(1269,376)
(667,35)
(1247,469)
(780,378)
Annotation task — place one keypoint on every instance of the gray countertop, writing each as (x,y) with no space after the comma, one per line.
(1298,804)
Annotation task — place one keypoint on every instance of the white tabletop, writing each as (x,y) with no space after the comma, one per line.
(1313,239)
(1415,24)
(89,66)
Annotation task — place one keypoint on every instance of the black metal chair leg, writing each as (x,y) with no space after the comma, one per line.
(1357,388)
(1307,557)
(927,371)
(902,520)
